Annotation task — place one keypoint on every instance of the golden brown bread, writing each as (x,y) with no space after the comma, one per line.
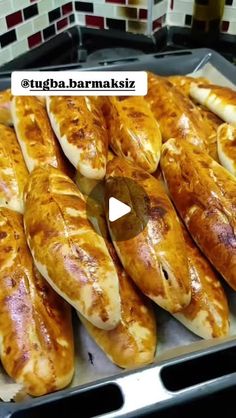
(13,172)
(133,131)
(80,128)
(5,107)
(35,323)
(183,82)
(211,124)
(204,193)
(177,115)
(133,342)
(220,100)
(226,142)
(207,315)
(66,249)
(34,133)
(155,258)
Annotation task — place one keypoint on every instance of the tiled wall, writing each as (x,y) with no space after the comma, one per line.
(25,24)
(180,14)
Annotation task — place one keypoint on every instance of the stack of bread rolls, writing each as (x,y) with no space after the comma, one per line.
(54,257)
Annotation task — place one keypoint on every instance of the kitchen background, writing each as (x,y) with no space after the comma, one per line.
(26,24)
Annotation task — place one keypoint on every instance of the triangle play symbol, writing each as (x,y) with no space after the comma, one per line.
(117,209)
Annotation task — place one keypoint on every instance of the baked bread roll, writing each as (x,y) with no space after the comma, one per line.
(34,133)
(5,107)
(80,128)
(183,82)
(204,194)
(133,131)
(133,342)
(226,142)
(13,172)
(207,315)
(211,123)
(67,251)
(177,116)
(220,100)
(155,258)
(35,323)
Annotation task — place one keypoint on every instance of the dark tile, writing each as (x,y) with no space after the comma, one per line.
(228,2)
(54,14)
(115,1)
(7,38)
(83,7)
(14,19)
(117,24)
(157,24)
(62,23)
(35,39)
(188,20)
(49,32)
(224,26)
(67,8)
(157,1)
(30,11)
(143,14)
(72,18)
(202,2)
(94,21)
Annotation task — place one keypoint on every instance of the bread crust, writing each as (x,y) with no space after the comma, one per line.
(155,258)
(67,250)
(204,194)
(134,132)
(34,133)
(37,347)
(13,171)
(80,128)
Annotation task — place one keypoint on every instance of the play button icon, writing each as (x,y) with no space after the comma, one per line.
(124,204)
(117,209)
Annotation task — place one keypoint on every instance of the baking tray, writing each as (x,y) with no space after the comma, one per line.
(186,368)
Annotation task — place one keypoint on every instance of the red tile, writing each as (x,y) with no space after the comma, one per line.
(14,19)
(143,14)
(34,39)
(62,23)
(95,21)
(224,26)
(157,23)
(67,8)
(32,1)
(116,1)
(172,4)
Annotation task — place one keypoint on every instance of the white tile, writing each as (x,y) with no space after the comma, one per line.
(3,26)
(58,3)
(45,6)
(19,47)
(229,14)
(40,22)
(5,55)
(6,7)
(80,19)
(25,30)
(20,4)
(183,6)
(106,10)
(159,9)
(176,19)
(232,28)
